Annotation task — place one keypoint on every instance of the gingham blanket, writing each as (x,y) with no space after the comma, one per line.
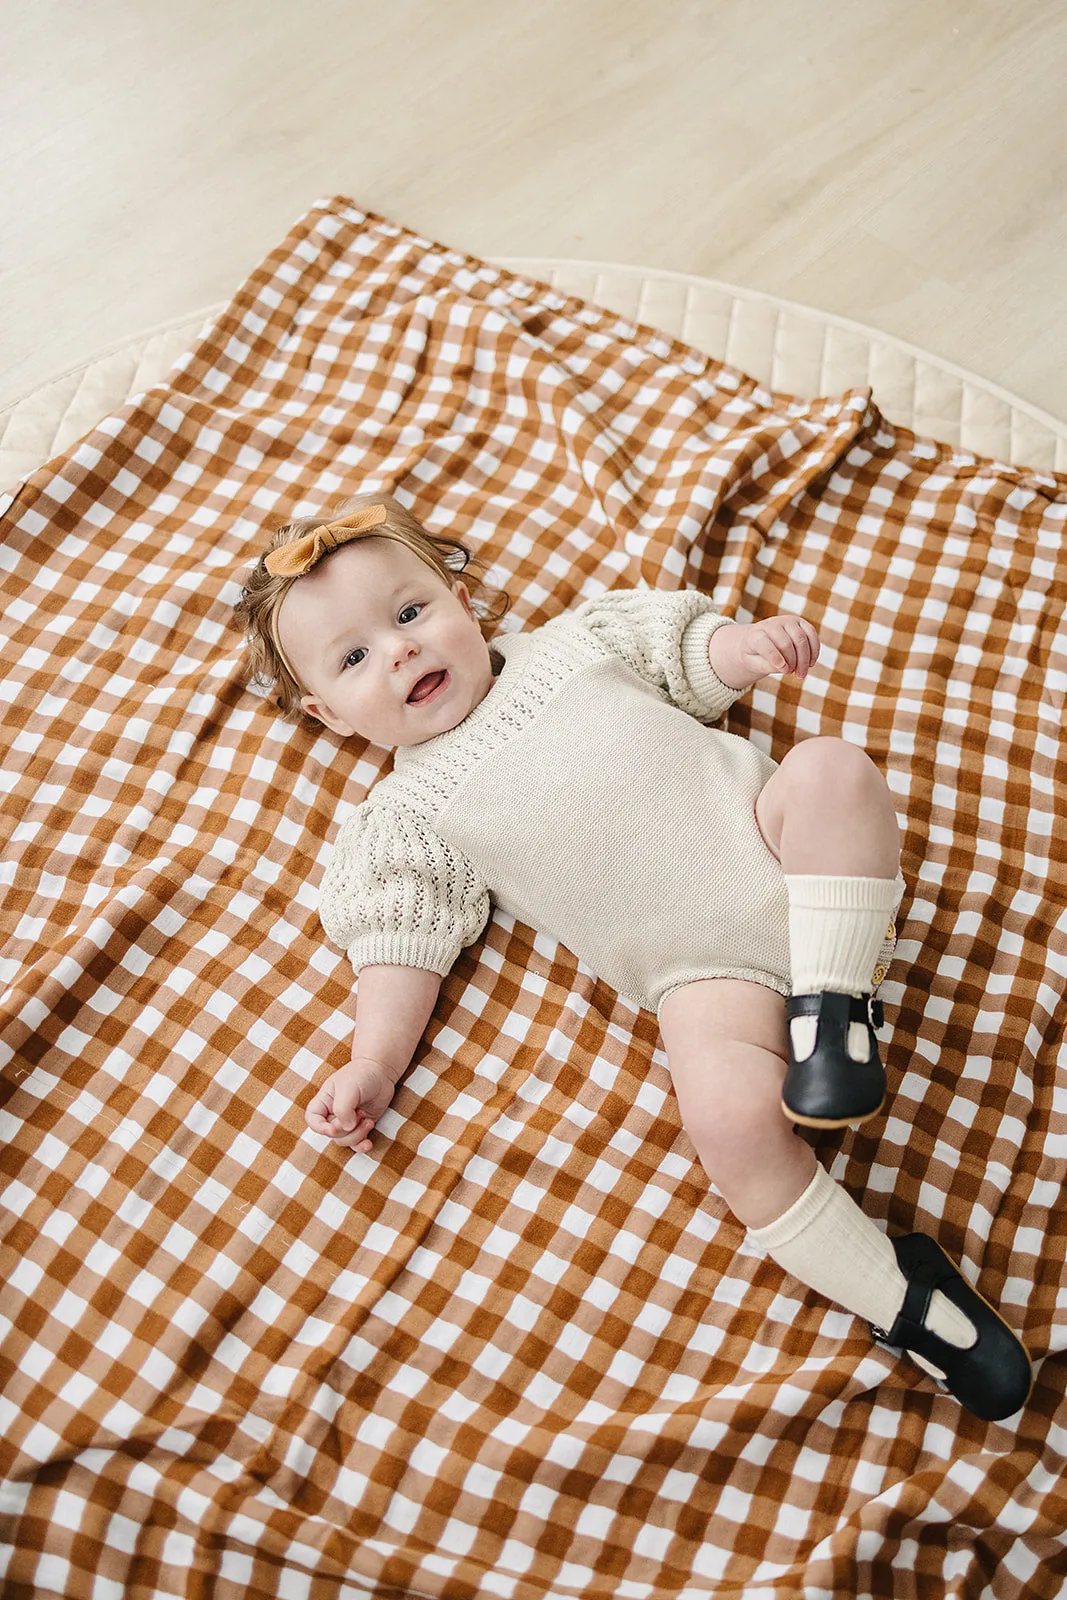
(522,1349)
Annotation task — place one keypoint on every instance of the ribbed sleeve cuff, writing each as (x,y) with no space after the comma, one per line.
(403,950)
(715,697)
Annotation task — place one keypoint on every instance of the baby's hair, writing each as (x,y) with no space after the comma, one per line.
(257,610)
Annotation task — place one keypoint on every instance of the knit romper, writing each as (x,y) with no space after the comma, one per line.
(585,796)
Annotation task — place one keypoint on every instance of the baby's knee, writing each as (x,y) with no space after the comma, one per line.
(824,758)
(824,766)
(733,1109)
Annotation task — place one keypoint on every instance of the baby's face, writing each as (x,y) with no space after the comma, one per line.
(365,625)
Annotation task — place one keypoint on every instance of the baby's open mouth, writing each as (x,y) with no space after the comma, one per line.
(427,686)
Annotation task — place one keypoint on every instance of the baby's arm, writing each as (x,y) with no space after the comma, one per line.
(393,1006)
(676,640)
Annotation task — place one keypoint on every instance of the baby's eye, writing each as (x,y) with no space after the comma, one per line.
(350,661)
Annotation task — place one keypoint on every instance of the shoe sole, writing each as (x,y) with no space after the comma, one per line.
(834,1122)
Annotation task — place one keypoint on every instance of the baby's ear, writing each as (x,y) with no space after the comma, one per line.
(316,708)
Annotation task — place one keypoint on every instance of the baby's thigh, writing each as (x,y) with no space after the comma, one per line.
(723,1011)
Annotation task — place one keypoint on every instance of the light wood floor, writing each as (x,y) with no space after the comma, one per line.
(902,162)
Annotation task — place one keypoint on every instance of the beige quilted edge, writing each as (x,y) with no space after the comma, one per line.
(791,348)
(53,416)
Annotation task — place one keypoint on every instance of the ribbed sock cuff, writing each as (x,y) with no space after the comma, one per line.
(826,1241)
(837,927)
(819,893)
(801,1214)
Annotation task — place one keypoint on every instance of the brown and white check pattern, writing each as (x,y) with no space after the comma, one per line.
(522,1349)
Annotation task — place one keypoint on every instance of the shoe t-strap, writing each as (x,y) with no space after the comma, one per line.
(917,1297)
(829,1004)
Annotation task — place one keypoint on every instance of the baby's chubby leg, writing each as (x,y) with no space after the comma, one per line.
(727,1053)
(828,816)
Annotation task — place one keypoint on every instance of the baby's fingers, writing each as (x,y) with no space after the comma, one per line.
(795,643)
(320,1118)
(807,647)
(327,1114)
(354,1138)
(813,640)
(319,1114)
(767,655)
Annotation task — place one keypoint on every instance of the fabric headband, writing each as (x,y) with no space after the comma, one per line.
(293,560)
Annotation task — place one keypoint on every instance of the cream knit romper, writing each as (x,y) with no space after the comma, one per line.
(585,796)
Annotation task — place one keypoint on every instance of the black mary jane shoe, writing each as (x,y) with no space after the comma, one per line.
(992,1377)
(828,1089)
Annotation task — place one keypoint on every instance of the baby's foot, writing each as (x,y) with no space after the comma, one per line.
(955,1335)
(835,1076)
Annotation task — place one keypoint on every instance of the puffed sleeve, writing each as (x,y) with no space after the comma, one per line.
(394,893)
(663,634)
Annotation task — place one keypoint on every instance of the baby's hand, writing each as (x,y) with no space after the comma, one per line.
(747,651)
(350,1102)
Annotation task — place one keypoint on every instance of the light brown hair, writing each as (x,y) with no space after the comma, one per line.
(257,610)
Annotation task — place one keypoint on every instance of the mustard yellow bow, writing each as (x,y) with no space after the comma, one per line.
(293,560)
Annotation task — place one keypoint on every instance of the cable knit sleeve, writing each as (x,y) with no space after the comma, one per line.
(663,634)
(395,894)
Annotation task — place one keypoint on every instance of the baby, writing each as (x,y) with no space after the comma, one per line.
(569,775)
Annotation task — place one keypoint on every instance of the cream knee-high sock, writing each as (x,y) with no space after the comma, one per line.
(836,928)
(833,1247)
